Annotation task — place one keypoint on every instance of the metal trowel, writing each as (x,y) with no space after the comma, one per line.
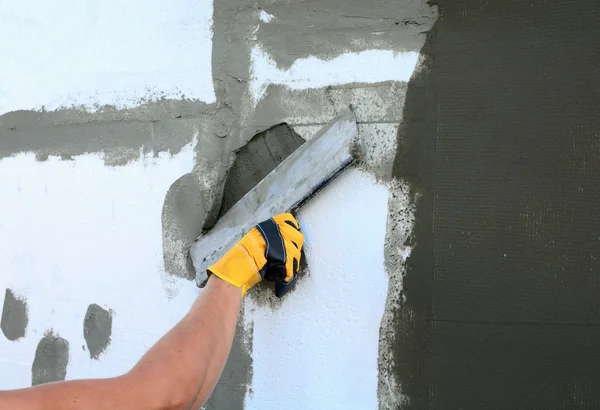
(285,189)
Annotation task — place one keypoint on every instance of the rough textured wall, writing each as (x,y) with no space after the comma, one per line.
(112,175)
(500,145)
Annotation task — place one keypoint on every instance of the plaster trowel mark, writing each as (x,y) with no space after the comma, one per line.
(14,316)
(51,359)
(97,329)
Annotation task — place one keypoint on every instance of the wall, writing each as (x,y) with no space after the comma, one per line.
(117,129)
(501,142)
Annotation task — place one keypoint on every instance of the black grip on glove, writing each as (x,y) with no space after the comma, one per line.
(275,268)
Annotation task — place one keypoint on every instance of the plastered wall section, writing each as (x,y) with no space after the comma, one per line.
(82,263)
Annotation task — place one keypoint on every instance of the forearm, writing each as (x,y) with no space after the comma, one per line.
(197,347)
(97,394)
(183,366)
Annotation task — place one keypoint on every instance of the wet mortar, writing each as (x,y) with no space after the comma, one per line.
(97,329)
(14,316)
(51,359)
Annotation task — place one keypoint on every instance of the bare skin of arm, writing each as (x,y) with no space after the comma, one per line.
(178,372)
(181,370)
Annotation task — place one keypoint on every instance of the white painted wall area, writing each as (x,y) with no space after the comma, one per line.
(91,53)
(318,350)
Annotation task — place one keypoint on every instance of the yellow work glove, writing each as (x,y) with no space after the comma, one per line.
(271,251)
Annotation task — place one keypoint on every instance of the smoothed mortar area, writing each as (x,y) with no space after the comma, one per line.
(500,146)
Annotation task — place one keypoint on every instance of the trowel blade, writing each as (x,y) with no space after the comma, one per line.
(293,182)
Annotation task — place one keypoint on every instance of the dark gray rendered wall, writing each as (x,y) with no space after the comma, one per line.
(501,142)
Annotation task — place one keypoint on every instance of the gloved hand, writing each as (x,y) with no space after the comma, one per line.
(271,251)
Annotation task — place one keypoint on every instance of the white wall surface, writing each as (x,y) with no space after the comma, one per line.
(75,52)
(319,349)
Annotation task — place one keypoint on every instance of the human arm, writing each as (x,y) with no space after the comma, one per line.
(182,368)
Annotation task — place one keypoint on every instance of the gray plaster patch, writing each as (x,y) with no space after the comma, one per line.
(192,205)
(51,359)
(146,111)
(193,201)
(256,159)
(230,392)
(328,28)
(378,110)
(397,248)
(372,102)
(14,316)
(183,216)
(120,142)
(97,329)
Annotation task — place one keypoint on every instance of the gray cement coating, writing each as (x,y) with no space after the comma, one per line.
(51,359)
(97,329)
(119,141)
(230,392)
(377,106)
(256,159)
(398,241)
(147,111)
(329,28)
(14,316)
(501,303)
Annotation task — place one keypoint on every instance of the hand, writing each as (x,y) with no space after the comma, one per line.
(271,251)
